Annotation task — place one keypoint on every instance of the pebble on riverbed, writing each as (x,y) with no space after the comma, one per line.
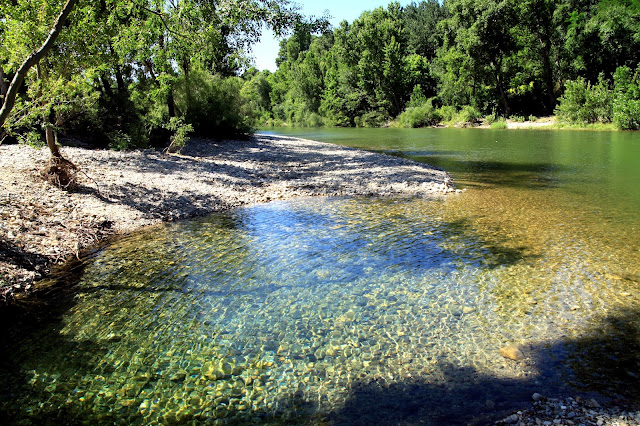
(570,411)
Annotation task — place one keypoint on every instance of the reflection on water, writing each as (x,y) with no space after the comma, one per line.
(338,310)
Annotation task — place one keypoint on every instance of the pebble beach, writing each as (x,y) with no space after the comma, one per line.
(119,192)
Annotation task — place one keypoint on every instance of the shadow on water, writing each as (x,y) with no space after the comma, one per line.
(495,173)
(605,364)
(493,254)
(39,318)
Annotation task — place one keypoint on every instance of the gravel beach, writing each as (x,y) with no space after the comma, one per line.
(118,192)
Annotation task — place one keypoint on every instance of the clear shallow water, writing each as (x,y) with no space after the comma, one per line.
(355,310)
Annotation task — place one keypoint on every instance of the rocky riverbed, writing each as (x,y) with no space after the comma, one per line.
(118,192)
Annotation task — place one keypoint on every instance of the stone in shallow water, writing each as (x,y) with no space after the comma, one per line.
(512,352)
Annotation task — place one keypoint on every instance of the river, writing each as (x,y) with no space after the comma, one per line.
(363,310)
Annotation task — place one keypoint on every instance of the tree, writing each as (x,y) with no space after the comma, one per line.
(478,37)
(129,58)
(626,103)
(421,23)
(11,92)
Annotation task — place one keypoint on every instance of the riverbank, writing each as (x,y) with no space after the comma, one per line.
(120,192)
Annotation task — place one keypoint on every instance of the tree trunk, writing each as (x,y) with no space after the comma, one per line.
(3,83)
(171,103)
(12,92)
(548,75)
(50,135)
(47,120)
(503,95)
(106,85)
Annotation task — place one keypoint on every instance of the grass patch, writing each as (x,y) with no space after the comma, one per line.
(499,124)
(583,126)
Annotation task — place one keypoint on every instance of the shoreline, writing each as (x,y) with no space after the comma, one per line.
(121,192)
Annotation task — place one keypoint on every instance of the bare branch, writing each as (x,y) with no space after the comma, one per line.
(162,17)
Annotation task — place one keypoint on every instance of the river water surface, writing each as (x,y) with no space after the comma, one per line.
(359,310)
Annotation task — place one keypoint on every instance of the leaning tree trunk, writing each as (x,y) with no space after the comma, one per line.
(12,92)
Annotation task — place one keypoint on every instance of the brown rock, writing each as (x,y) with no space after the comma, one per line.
(512,352)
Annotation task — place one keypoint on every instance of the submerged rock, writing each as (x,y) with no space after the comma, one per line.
(512,352)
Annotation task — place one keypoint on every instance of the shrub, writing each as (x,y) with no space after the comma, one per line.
(491,118)
(423,115)
(468,114)
(583,103)
(499,124)
(626,106)
(517,118)
(120,141)
(371,119)
(447,112)
(533,118)
(417,97)
(180,135)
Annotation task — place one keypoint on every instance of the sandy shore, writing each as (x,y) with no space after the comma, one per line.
(119,192)
(540,123)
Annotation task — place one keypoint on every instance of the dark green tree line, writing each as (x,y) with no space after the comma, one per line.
(469,57)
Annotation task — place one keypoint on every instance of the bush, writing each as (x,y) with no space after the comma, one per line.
(423,115)
(469,114)
(583,103)
(491,118)
(533,118)
(447,112)
(626,106)
(180,135)
(517,118)
(371,119)
(499,124)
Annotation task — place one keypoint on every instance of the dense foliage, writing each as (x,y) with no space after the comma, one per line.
(133,73)
(459,60)
(145,72)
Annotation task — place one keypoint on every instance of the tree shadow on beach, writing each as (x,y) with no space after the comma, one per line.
(249,167)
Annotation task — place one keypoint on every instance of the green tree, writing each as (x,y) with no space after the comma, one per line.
(9,13)
(478,44)
(602,36)
(583,102)
(124,60)
(421,23)
(626,104)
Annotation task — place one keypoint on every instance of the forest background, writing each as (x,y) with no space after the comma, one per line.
(140,73)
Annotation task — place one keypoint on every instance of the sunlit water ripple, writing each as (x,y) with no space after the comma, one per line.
(339,310)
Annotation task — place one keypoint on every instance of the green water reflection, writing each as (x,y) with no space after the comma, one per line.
(355,310)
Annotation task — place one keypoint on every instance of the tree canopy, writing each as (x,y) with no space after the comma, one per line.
(500,57)
(135,73)
(122,72)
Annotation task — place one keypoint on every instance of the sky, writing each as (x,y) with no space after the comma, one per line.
(266,51)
